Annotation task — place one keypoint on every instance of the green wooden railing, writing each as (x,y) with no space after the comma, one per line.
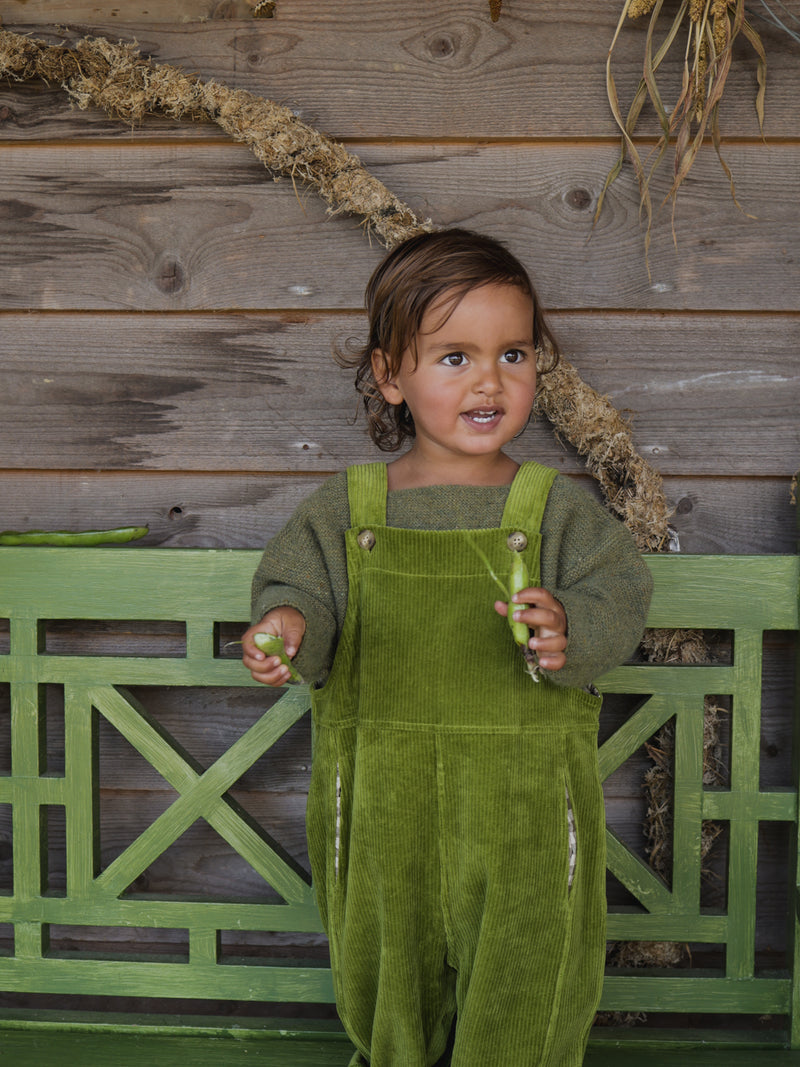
(746,596)
(205,588)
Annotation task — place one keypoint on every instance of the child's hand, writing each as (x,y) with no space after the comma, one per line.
(547,619)
(287,623)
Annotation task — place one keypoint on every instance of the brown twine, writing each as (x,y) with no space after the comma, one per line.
(117,79)
(632,489)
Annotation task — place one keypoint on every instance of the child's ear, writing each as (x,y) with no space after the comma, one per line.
(388,387)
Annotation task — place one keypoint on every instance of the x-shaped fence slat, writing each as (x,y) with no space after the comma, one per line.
(201,794)
(632,734)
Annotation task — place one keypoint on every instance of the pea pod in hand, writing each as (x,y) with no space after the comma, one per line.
(272,645)
(519,580)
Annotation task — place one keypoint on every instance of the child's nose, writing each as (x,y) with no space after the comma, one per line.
(487,380)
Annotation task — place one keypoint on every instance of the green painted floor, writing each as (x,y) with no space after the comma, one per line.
(57,1049)
(683,1057)
(53,1048)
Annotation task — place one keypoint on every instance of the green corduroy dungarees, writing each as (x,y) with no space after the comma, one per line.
(438,808)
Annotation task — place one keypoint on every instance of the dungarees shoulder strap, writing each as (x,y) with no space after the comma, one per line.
(528,495)
(367,485)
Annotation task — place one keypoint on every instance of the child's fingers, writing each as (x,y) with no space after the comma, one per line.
(292,638)
(287,623)
(547,641)
(251,654)
(536,592)
(549,645)
(540,619)
(541,597)
(269,670)
(547,621)
(501,607)
(551,661)
(540,610)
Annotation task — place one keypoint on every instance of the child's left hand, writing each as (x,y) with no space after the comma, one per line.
(547,619)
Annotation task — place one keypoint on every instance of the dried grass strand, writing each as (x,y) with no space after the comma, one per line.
(712,28)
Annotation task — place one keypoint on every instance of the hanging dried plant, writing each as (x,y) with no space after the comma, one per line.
(710,28)
(766,12)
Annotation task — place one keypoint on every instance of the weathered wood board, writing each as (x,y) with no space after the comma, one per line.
(202,227)
(255,392)
(431,72)
(238,510)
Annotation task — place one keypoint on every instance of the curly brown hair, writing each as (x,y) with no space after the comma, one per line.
(402,288)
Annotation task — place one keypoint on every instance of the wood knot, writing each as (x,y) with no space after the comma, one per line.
(443,47)
(578,199)
(171,277)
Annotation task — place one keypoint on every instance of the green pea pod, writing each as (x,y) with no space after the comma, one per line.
(517,582)
(272,644)
(519,579)
(83,538)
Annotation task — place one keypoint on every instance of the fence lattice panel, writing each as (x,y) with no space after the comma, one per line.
(202,589)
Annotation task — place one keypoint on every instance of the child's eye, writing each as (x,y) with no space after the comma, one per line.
(454,359)
(513,355)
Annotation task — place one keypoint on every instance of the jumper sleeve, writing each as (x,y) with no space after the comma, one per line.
(305,567)
(592,565)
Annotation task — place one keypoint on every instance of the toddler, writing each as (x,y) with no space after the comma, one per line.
(455,815)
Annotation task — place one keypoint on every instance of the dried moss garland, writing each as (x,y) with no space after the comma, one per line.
(632,489)
(115,78)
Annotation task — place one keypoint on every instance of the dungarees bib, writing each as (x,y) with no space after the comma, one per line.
(438,809)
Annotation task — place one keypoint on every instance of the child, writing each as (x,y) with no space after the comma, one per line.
(455,815)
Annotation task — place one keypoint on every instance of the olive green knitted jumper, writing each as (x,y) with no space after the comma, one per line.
(590,563)
(438,810)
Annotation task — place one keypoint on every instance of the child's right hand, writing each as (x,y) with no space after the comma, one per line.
(287,623)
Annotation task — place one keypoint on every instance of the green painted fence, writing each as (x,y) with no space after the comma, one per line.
(205,588)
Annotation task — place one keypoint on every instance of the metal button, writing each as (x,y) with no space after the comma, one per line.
(517,541)
(366,539)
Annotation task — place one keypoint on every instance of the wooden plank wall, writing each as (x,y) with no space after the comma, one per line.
(167,311)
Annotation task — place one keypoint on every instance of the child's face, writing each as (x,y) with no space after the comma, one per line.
(474,382)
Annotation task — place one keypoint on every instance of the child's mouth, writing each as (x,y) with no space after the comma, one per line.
(482,416)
